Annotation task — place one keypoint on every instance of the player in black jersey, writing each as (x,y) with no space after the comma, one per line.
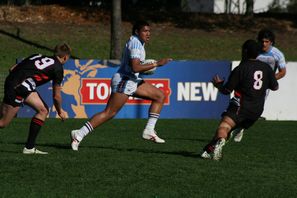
(272,56)
(249,80)
(20,88)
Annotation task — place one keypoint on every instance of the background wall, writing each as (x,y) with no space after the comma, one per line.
(282,104)
(190,94)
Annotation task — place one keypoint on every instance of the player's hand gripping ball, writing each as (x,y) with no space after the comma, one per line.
(151,71)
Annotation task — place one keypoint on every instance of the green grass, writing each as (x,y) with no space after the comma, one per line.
(86,41)
(92,41)
(114,161)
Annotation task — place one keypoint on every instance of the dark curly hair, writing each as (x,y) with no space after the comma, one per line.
(266,34)
(138,25)
(250,50)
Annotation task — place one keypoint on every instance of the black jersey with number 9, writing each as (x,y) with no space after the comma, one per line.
(38,67)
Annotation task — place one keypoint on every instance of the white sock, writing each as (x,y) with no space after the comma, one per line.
(85,130)
(151,123)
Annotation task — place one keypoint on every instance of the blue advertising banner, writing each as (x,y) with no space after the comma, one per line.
(187,85)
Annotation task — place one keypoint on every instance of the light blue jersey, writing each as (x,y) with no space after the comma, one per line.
(274,57)
(134,48)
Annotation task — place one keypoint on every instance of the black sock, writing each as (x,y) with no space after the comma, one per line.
(34,130)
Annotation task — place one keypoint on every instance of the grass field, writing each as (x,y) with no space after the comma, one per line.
(92,41)
(115,162)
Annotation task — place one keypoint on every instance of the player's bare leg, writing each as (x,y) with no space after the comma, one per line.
(148,91)
(8,112)
(215,147)
(115,103)
(34,101)
(224,128)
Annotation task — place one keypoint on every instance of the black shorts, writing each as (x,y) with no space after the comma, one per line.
(15,94)
(241,119)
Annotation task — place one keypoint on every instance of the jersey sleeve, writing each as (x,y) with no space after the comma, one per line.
(135,49)
(273,84)
(280,58)
(233,80)
(58,77)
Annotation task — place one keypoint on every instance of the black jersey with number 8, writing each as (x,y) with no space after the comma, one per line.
(250,80)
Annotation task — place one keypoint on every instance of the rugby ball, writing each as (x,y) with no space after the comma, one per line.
(151,71)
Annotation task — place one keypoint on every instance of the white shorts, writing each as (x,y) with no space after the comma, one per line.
(124,84)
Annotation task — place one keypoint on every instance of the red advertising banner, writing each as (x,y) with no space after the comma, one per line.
(97,91)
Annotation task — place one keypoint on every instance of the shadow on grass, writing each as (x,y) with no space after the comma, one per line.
(17,37)
(138,150)
(190,139)
(23,40)
(54,145)
(9,151)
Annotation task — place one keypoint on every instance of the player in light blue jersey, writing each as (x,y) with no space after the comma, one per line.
(270,54)
(127,82)
(273,57)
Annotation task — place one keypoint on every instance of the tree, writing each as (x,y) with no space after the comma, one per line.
(10,2)
(27,2)
(227,6)
(292,7)
(116,21)
(276,7)
(249,8)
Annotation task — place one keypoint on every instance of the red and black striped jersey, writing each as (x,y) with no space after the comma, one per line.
(40,68)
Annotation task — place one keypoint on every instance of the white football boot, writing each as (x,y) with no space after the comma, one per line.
(33,151)
(152,135)
(205,155)
(238,134)
(218,150)
(75,140)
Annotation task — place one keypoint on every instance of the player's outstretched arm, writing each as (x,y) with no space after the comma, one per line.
(163,61)
(58,101)
(217,81)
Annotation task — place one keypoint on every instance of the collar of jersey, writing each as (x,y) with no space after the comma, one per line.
(138,39)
